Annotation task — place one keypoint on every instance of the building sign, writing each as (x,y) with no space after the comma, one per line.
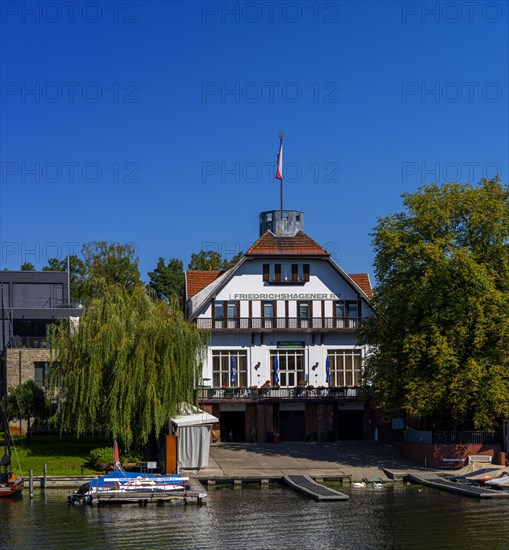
(290,345)
(286,296)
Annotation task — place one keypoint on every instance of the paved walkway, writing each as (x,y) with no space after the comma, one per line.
(357,459)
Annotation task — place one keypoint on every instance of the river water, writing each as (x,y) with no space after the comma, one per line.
(396,516)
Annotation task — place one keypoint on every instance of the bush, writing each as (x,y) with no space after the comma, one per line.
(101,457)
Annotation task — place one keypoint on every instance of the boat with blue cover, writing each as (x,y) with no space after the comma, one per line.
(120,481)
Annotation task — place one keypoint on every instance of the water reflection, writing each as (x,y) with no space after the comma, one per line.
(400,516)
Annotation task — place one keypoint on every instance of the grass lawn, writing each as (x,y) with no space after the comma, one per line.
(63,455)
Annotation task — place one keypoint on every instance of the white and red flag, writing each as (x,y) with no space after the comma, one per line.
(279,173)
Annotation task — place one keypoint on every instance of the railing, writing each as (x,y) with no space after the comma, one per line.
(467,438)
(18,342)
(280,323)
(279,393)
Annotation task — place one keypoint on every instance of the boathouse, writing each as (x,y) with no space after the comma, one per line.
(283,361)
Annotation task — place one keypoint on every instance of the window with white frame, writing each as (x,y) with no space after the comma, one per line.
(345,367)
(221,368)
(290,367)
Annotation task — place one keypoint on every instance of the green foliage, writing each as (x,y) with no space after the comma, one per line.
(125,368)
(110,263)
(78,271)
(209,260)
(101,457)
(168,280)
(442,329)
(27,266)
(27,402)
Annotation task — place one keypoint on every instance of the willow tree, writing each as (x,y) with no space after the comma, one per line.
(441,335)
(125,367)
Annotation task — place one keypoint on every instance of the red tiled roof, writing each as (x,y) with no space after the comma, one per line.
(198,280)
(298,245)
(362,281)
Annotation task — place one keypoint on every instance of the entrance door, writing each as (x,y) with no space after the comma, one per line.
(292,425)
(350,425)
(232,425)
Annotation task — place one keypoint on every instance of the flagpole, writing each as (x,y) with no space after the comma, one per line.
(281,136)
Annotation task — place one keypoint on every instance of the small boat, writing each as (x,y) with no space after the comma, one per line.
(358,484)
(501,482)
(120,481)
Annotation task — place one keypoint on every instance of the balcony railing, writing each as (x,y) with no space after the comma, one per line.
(19,342)
(278,393)
(281,323)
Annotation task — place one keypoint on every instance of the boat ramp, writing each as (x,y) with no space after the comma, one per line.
(465,489)
(312,489)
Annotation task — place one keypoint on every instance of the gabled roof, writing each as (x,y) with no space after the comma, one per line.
(363,282)
(298,245)
(198,280)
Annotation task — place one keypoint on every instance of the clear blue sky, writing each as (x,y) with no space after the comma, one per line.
(156,122)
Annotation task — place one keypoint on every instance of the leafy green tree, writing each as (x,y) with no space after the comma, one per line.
(125,368)
(109,263)
(168,280)
(27,266)
(78,274)
(27,402)
(209,260)
(441,334)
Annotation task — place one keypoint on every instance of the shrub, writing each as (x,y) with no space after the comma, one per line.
(101,457)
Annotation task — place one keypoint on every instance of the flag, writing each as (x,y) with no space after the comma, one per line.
(279,173)
(275,376)
(233,370)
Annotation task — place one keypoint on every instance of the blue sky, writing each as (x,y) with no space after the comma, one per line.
(156,122)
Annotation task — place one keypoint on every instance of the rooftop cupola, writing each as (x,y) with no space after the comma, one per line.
(283,223)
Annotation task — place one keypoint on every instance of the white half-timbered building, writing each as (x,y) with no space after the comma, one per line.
(283,359)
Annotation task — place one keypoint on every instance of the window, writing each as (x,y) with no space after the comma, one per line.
(40,373)
(345,367)
(286,273)
(347,313)
(290,366)
(218,310)
(221,368)
(304,310)
(232,310)
(268,310)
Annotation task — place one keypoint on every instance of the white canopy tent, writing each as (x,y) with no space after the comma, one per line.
(192,428)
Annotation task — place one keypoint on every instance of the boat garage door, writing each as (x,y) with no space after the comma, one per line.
(292,425)
(350,425)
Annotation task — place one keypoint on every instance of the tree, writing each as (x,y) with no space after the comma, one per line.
(27,402)
(27,266)
(168,280)
(441,334)
(123,371)
(209,260)
(109,263)
(77,274)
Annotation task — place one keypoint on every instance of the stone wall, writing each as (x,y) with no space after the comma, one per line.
(20,364)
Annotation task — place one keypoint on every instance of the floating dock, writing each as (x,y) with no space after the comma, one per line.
(312,489)
(458,488)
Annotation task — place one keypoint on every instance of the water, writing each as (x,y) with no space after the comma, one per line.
(399,516)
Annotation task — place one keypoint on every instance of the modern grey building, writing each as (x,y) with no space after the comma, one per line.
(30,302)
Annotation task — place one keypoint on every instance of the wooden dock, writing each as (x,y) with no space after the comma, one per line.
(458,488)
(312,489)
